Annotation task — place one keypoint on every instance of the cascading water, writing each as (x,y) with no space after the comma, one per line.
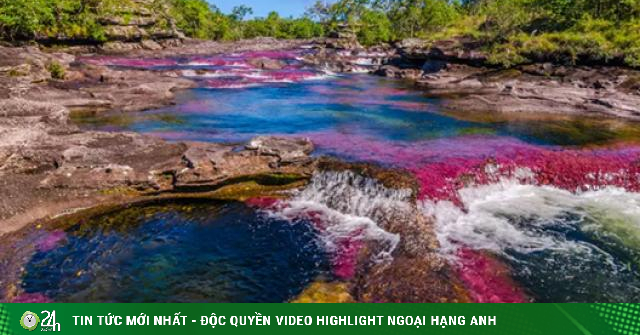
(347,210)
(562,246)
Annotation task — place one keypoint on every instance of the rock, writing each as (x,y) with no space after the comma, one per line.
(410,280)
(151,45)
(120,46)
(410,43)
(544,69)
(125,33)
(53,163)
(16,71)
(266,63)
(287,150)
(395,72)
(121,21)
(459,50)
(389,178)
(320,292)
(559,90)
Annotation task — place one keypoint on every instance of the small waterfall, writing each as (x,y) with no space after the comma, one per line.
(348,210)
(353,194)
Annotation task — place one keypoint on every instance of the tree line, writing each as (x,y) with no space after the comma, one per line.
(509,31)
(85,20)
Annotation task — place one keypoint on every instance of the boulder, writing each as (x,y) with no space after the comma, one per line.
(287,150)
(267,63)
(396,72)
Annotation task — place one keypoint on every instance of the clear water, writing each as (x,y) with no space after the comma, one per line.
(190,252)
(362,106)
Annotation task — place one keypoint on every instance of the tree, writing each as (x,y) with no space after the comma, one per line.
(238,13)
(198,19)
(24,19)
(375,27)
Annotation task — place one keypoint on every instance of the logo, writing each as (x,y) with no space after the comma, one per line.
(29,321)
(49,323)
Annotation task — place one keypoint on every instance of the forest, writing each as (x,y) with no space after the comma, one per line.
(511,32)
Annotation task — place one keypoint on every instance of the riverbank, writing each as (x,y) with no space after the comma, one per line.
(459,72)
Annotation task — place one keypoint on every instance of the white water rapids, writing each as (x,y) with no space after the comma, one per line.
(564,246)
(349,206)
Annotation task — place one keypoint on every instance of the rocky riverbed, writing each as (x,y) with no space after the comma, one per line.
(53,172)
(460,71)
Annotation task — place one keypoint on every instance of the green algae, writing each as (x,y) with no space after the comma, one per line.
(620,228)
(476,131)
(322,292)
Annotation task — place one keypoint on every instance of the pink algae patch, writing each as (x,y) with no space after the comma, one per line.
(573,170)
(486,279)
(262,202)
(32,298)
(345,261)
(443,166)
(51,240)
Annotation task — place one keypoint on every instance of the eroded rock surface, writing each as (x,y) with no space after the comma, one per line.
(26,73)
(46,164)
(559,90)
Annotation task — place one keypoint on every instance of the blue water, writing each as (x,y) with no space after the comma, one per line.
(358,105)
(195,252)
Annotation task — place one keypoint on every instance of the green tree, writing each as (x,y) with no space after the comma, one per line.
(239,13)
(374,28)
(198,19)
(20,19)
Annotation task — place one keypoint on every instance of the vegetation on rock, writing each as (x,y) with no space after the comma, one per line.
(511,31)
(103,20)
(56,69)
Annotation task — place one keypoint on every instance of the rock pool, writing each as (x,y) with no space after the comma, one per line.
(176,252)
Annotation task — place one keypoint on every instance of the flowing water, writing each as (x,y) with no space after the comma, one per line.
(554,200)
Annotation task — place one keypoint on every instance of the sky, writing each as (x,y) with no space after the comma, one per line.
(262,7)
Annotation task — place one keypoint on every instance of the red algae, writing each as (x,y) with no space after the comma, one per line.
(346,259)
(262,202)
(487,279)
(572,170)
(51,240)
(444,166)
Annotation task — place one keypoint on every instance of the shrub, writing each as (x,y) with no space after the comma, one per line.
(56,70)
